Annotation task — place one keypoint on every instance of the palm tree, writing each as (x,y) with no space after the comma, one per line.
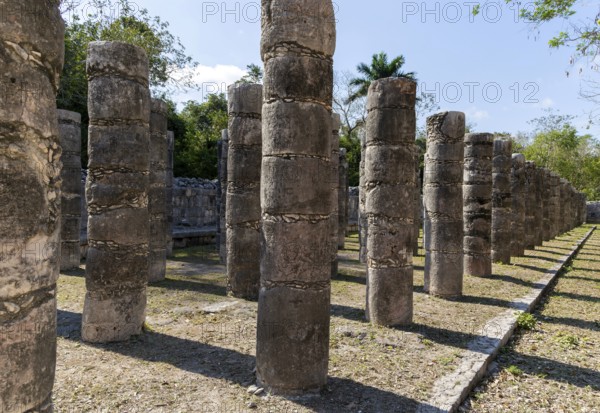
(380,68)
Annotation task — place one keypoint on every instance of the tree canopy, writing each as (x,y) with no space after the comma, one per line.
(379,68)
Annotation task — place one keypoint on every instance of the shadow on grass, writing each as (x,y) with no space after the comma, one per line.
(237,368)
(579,297)
(557,371)
(192,285)
(349,313)
(78,272)
(350,278)
(512,280)
(533,268)
(574,322)
(205,254)
(576,277)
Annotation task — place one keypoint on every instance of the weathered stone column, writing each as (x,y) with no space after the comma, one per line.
(343,199)
(243,190)
(169,190)
(69,128)
(298,42)
(117,192)
(564,206)
(554,183)
(390,187)
(418,205)
(477,206)
(518,205)
(530,205)
(502,201)
(443,202)
(157,193)
(222,155)
(539,208)
(31,60)
(334,183)
(546,195)
(363,224)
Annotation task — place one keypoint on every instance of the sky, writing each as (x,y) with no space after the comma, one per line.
(495,66)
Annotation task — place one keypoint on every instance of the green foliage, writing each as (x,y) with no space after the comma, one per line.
(558,146)
(566,340)
(196,148)
(514,370)
(583,34)
(526,321)
(380,68)
(352,145)
(169,64)
(255,74)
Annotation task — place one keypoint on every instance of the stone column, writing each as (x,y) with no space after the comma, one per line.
(169,191)
(117,192)
(390,186)
(539,209)
(31,50)
(417,202)
(546,195)
(443,202)
(530,205)
(564,206)
(334,183)
(362,199)
(243,190)
(69,128)
(501,201)
(157,194)
(222,155)
(554,184)
(477,205)
(343,199)
(518,205)
(297,47)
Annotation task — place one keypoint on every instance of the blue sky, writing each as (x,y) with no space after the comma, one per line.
(493,66)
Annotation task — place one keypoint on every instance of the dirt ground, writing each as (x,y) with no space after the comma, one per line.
(198,352)
(554,367)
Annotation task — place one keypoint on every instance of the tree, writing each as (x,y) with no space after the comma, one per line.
(380,68)
(197,149)
(582,34)
(558,146)
(169,64)
(255,74)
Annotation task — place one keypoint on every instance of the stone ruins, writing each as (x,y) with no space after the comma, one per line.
(69,128)
(477,208)
(501,201)
(157,192)
(280,209)
(292,346)
(518,190)
(243,211)
(389,187)
(334,183)
(443,202)
(117,192)
(30,152)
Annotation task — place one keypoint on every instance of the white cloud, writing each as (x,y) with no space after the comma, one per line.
(476,114)
(545,103)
